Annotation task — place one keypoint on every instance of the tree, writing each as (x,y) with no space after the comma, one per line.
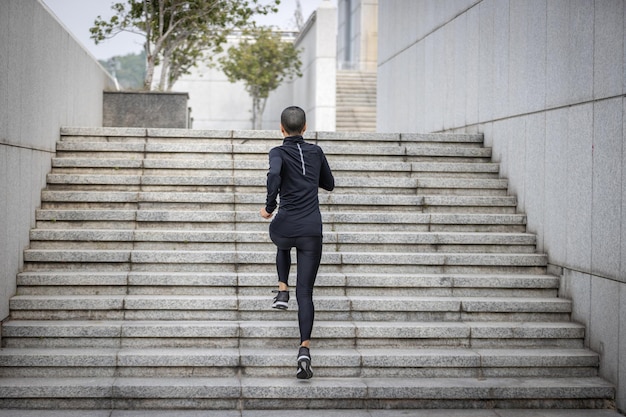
(179,33)
(262,60)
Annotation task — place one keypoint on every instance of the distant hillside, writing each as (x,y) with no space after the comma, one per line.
(129,70)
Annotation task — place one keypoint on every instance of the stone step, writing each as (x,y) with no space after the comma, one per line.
(327,284)
(365,185)
(356,107)
(318,393)
(225,220)
(363,105)
(152,139)
(360,105)
(50,333)
(209,151)
(279,363)
(227,201)
(258,261)
(356,119)
(350,241)
(163,166)
(356,88)
(116,134)
(225,307)
(356,85)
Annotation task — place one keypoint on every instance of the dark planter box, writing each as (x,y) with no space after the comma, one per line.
(145,109)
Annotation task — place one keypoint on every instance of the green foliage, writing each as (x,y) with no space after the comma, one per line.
(262,60)
(130,70)
(178,33)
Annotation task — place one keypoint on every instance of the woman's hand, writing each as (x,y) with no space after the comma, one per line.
(265,214)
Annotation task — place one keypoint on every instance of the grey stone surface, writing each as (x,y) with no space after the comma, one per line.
(555,222)
(526,330)
(313,388)
(178,357)
(78,215)
(55,413)
(145,109)
(50,328)
(623,219)
(577,287)
(151,329)
(608,56)
(579,188)
(72,279)
(518,55)
(604,325)
(96,163)
(472,65)
(86,146)
(51,255)
(621,394)
(101,302)
(172,388)
(4,69)
(606,197)
(51,103)
(187,146)
(103,131)
(188,133)
(41,387)
(412,330)
(515,160)
(536,56)
(558,55)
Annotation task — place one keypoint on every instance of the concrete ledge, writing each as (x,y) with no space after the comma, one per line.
(145,109)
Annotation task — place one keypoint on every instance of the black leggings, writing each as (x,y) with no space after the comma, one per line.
(309,254)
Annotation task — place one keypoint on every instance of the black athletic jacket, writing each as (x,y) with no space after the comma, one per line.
(297,169)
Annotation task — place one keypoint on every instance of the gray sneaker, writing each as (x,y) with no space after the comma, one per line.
(281,301)
(304,364)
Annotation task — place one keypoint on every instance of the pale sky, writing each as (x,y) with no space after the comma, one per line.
(78,16)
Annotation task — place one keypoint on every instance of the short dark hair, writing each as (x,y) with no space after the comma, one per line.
(293,120)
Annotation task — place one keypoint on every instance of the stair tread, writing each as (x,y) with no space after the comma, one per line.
(428,388)
(114,327)
(324,357)
(231,216)
(59,234)
(187,324)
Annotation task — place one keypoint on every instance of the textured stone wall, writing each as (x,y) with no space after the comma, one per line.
(544,80)
(47,80)
(145,109)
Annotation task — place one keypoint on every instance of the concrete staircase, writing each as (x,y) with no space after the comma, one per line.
(356,101)
(147,283)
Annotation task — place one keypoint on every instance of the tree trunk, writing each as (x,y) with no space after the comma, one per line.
(254,106)
(258,107)
(164,67)
(147,82)
(263,102)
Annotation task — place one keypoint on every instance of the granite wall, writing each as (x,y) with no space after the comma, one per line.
(545,81)
(47,80)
